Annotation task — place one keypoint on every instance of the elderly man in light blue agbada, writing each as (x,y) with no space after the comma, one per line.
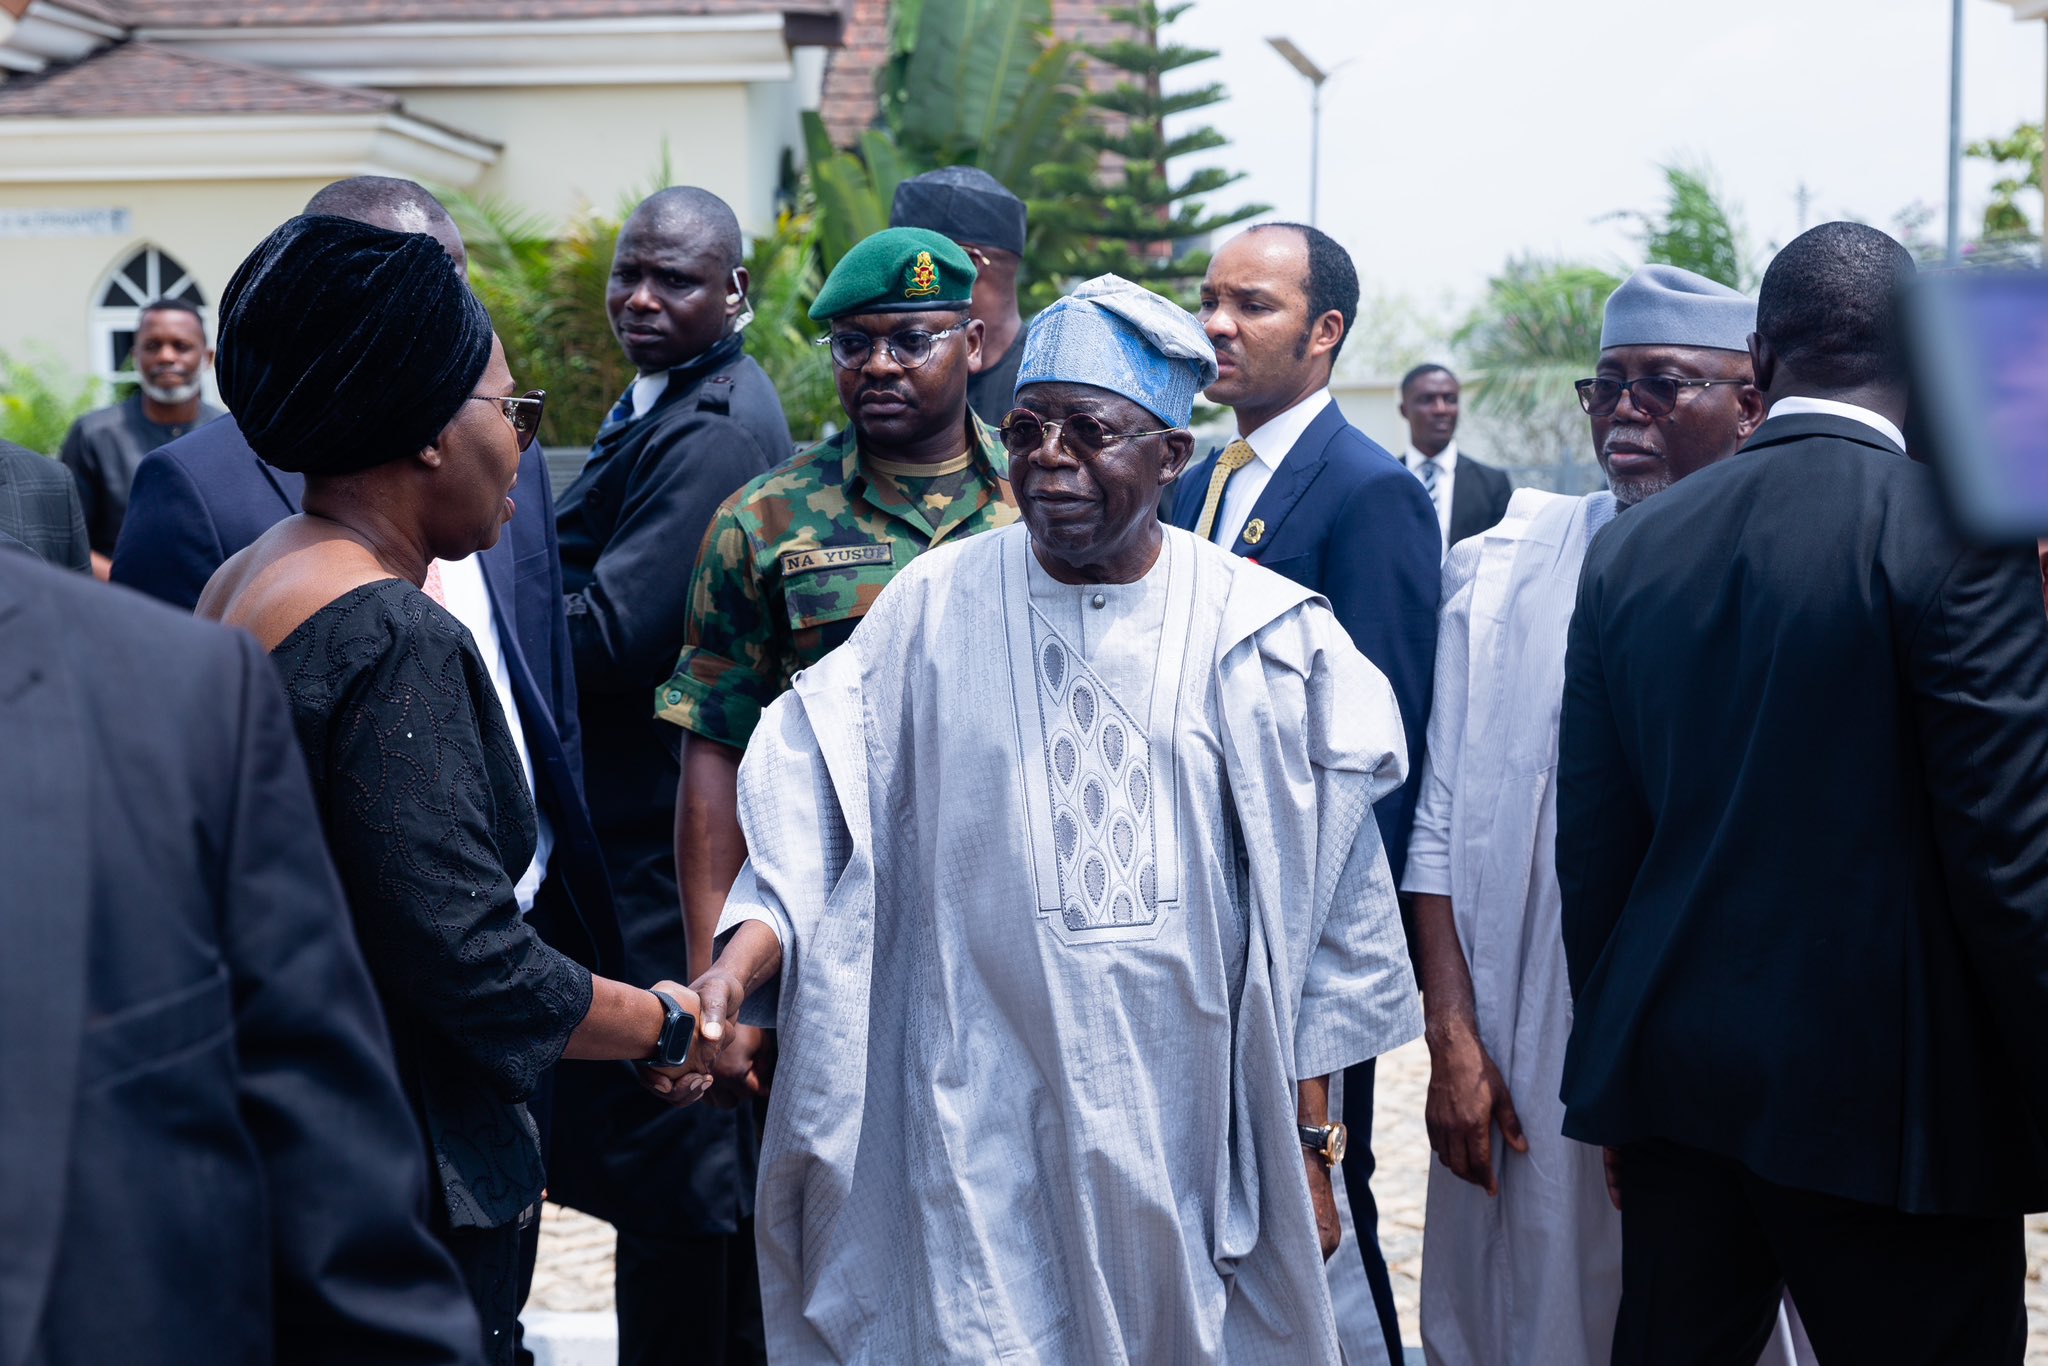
(1524,1265)
(1066,900)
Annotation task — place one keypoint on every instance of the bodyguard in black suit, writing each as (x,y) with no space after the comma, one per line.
(1308,495)
(1469,497)
(39,507)
(701,420)
(207,1155)
(1803,850)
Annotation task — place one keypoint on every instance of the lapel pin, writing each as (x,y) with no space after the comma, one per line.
(1254,531)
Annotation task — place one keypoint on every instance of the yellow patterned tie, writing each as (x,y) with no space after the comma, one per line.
(1235,457)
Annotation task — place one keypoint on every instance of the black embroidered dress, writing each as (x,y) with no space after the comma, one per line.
(428,818)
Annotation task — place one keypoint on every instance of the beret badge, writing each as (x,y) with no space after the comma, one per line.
(921,281)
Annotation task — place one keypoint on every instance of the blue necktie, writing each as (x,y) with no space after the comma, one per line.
(621,412)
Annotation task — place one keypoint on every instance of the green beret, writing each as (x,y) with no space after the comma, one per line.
(897,270)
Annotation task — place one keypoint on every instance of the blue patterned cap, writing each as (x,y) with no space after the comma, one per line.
(1119,336)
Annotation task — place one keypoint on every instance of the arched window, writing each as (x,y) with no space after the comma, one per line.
(147,275)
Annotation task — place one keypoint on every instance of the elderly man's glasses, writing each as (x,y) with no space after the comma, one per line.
(909,348)
(1653,395)
(522,412)
(1023,432)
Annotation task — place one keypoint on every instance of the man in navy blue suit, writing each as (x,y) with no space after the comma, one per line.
(206,495)
(1308,495)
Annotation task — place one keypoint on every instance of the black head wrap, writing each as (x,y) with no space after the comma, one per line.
(343,346)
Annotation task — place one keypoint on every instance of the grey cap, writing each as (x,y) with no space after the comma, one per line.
(1667,306)
(964,203)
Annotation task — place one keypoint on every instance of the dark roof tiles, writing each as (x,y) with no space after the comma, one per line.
(142,80)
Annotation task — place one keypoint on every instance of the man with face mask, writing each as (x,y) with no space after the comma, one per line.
(1524,1261)
(103,449)
(701,420)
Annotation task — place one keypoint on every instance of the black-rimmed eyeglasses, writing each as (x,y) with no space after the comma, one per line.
(1653,395)
(1080,435)
(909,348)
(523,413)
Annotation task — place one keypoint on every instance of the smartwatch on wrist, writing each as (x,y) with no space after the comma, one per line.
(678,1032)
(1324,1140)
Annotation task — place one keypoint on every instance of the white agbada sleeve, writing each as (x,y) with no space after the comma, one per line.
(1429,845)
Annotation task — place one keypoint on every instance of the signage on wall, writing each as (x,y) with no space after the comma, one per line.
(64,222)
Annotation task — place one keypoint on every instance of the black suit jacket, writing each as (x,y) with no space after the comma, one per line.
(630,527)
(1347,519)
(1803,831)
(207,1156)
(206,496)
(39,507)
(1479,497)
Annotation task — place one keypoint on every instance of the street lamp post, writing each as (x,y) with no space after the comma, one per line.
(1299,60)
(1955,134)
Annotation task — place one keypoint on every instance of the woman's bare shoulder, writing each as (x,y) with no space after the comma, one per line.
(273,585)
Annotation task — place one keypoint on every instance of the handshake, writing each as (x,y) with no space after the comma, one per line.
(726,1062)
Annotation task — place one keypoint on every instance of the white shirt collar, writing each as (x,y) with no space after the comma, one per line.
(1855,412)
(1271,441)
(1446,459)
(647,391)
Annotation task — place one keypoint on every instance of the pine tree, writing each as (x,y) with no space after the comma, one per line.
(1130,216)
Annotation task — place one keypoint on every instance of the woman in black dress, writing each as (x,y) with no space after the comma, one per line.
(360,358)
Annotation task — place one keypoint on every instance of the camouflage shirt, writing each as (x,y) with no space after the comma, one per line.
(792,561)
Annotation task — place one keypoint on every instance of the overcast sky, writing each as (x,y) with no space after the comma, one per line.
(1466,131)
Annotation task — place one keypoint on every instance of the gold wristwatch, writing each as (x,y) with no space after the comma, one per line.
(1325,1141)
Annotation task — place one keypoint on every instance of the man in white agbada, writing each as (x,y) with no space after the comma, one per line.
(1523,1239)
(1065,899)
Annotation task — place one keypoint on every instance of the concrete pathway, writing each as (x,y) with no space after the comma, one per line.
(572,1292)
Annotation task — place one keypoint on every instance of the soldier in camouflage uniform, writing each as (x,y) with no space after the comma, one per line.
(792,561)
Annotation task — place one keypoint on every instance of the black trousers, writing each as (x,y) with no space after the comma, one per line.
(1365,1215)
(495,1267)
(1708,1247)
(689,1301)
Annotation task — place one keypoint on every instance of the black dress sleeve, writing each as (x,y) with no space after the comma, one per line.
(429,822)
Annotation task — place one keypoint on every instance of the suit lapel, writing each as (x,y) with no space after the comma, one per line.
(1299,468)
(1466,500)
(45,820)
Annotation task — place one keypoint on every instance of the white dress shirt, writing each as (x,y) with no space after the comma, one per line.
(647,390)
(1270,444)
(1855,412)
(1446,477)
(466,598)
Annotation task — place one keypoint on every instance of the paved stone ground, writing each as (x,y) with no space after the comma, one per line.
(576,1251)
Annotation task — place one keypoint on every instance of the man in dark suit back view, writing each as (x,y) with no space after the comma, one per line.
(39,507)
(1469,496)
(207,1154)
(1803,852)
(1308,495)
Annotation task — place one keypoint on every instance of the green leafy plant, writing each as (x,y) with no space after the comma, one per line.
(1697,230)
(2009,235)
(967,83)
(783,275)
(1537,330)
(1128,212)
(40,397)
(545,291)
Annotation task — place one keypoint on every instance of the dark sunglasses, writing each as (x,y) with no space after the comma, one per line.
(1653,395)
(523,412)
(1080,435)
(909,348)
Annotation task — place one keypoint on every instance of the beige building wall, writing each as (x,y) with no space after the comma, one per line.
(571,147)
(51,285)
